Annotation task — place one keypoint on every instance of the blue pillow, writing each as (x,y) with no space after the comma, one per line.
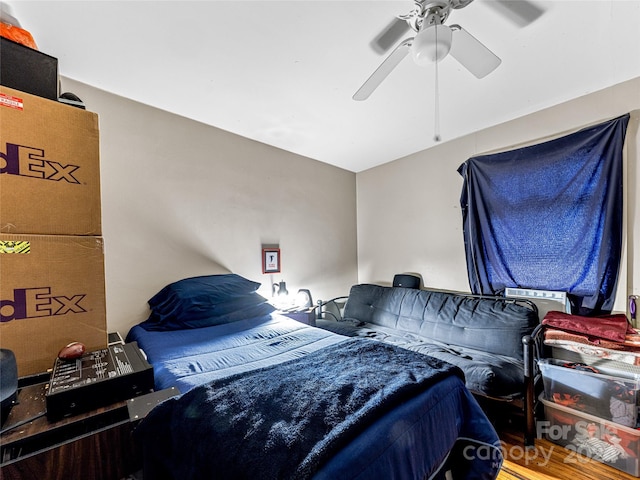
(204,301)
(208,288)
(189,321)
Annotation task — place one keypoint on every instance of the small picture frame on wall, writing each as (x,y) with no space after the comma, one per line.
(270,260)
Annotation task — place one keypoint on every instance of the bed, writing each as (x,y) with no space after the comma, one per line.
(263,396)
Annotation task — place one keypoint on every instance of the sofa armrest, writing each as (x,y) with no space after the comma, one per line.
(332,309)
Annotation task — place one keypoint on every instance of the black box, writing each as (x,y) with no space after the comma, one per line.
(97,379)
(28,70)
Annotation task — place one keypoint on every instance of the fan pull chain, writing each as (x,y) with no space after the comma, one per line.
(436,109)
(436,100)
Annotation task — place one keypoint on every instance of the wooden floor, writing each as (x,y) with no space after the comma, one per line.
(548,461)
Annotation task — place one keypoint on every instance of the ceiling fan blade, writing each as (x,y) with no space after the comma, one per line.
(390,36)
(383,71)
(521,12)
(472,54)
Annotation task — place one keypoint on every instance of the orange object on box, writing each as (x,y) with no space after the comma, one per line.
(17,34)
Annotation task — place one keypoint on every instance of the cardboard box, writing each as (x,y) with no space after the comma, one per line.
(52,293)
(49,167)
(28,70)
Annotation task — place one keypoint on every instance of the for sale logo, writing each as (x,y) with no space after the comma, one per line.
(30,162)
(38,302)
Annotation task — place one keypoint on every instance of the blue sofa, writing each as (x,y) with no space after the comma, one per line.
(483,336)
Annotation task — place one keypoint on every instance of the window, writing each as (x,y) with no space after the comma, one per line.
(548,216)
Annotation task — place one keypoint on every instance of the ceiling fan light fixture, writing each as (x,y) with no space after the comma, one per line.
(431,44)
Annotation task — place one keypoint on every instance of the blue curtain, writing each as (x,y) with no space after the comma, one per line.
(548,217)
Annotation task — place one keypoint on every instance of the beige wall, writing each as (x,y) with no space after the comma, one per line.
(409,217)
(180,198)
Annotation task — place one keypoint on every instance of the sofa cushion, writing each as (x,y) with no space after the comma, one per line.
(486,324)
(485,374)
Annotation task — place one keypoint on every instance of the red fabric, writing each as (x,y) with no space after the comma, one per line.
(555,334)
(609,327)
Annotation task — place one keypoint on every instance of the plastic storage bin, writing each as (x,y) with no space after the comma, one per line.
(591,437)
(612,398)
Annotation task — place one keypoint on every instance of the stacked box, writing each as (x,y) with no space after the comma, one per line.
(52,289)
(28,70)
(592,437)
(619,360)
(612,398)
(49,167)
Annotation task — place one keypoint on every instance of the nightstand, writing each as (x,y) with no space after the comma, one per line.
(307,316)
(97,444)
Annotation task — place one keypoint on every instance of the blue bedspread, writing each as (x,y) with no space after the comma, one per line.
(296,414)
(413,422)
(188,358)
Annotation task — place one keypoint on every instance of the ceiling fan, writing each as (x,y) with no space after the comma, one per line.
(434,40)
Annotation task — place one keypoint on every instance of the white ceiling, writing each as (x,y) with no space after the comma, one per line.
(283,72)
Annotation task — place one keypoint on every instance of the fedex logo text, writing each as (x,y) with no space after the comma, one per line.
(38,302)
(30,162)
